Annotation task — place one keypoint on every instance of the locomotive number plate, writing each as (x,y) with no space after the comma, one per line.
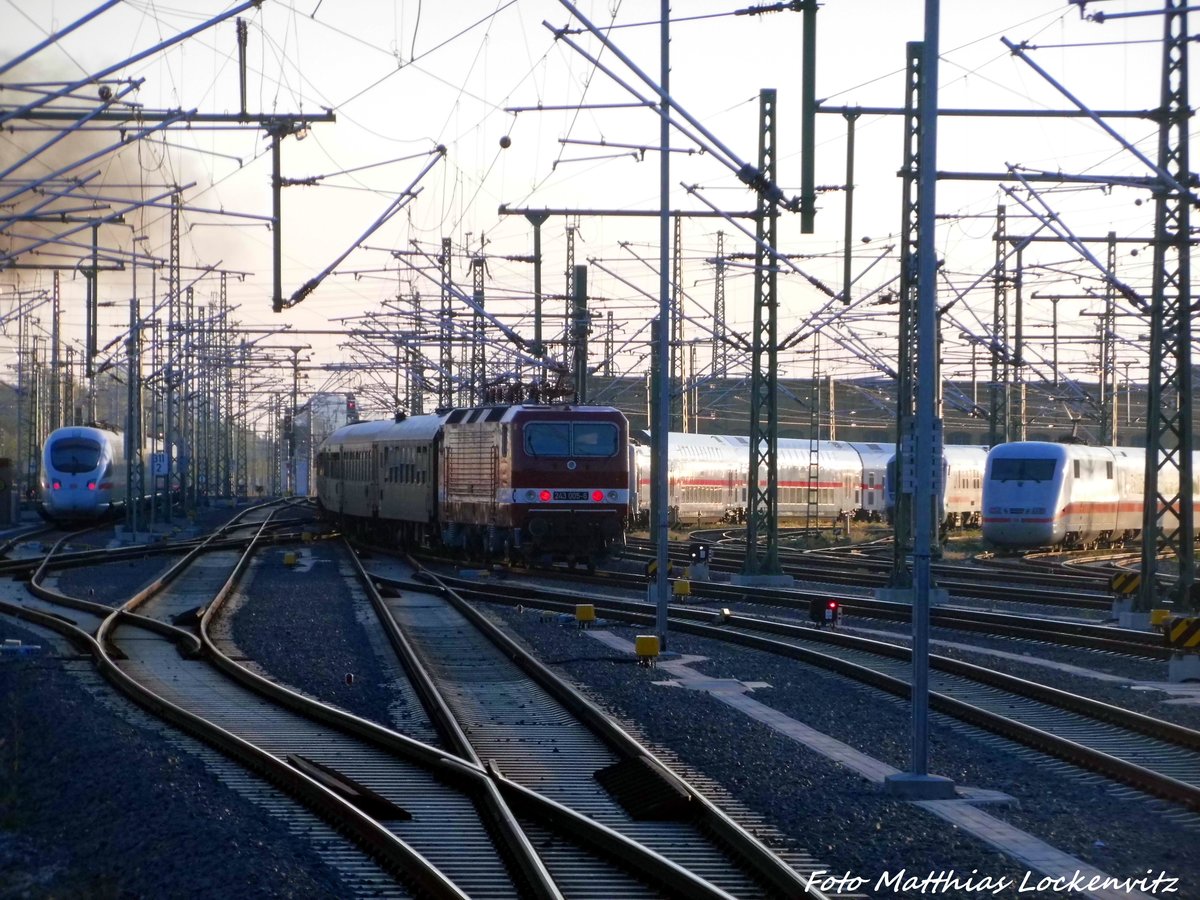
(570,495)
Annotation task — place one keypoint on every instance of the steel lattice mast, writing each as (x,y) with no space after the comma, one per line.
(1169,485)
(761,519)
(446,357)
(906,365)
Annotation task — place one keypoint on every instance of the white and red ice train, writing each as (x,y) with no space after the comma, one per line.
(1042,494)
(82,474)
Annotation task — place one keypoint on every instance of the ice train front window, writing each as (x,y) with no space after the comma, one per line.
(1018,469)
(74,455)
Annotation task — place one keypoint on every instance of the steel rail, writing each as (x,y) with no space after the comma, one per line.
(608,842)
(1142,644)
(530,865)
(1145,779)
(467,774)
(381,843)
(757,857)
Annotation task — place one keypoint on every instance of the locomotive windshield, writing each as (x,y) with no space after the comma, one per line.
(571,439)
(1017,469)
(74,455)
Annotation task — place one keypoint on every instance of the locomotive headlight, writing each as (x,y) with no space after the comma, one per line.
(597,496)
(530,496)
(544,496)
(612,496)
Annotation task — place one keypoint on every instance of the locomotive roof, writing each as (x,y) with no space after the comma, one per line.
(501,413)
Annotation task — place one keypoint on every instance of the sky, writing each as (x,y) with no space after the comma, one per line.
(532,118)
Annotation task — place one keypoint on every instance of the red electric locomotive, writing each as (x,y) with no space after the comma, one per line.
(532,482)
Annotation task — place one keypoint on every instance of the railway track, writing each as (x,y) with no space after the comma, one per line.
(845,566)
(139,649)
(539,732)
(1157,757)
(1068,633)
(1078,580)
(461,817)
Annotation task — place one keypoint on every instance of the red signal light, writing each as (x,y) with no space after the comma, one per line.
(57,485)
(544,496)
(597,496)
(824,612)
(91,485)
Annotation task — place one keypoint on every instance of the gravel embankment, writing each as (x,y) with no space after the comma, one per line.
(53,840)
(95,801)
(846,821)
(99,800)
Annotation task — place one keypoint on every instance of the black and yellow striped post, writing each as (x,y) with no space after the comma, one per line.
(1125,583)
(1124,587)
(1182,634)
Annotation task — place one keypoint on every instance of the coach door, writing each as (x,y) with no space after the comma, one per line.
(375,481)
(494,487)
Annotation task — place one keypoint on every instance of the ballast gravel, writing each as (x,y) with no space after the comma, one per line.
(92,803)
